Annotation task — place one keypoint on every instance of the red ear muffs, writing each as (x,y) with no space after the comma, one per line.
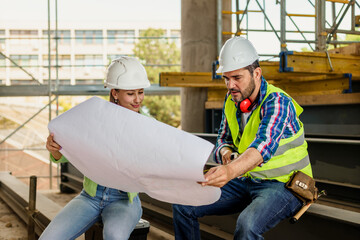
(245,105)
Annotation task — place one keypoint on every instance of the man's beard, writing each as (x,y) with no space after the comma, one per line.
(245,93)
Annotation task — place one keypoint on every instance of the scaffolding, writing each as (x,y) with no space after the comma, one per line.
(301,74)
(53,89)
(325,70)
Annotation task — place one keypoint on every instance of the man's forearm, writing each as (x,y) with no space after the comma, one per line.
(247,161)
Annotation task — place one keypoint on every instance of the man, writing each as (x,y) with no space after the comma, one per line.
(259,122)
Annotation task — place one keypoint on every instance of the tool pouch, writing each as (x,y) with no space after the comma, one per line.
(303,187)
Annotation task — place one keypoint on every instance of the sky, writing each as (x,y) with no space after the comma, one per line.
(92,11)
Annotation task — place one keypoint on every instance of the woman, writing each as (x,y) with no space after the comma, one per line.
(119,211)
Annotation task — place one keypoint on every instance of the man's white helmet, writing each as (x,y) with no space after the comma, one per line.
(126,73)
(237,52)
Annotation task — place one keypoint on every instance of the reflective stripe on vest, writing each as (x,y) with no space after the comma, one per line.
(291,154)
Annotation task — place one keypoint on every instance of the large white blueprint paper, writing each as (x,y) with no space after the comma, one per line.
(119,148)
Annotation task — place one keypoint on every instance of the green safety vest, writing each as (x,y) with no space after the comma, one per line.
(291,155)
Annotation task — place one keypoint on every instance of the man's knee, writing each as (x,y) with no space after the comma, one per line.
(247,228)
(182,211)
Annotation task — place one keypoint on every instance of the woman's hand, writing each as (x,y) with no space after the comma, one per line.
(53,147)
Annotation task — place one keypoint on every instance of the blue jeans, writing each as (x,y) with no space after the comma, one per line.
(261,203)
(112,206)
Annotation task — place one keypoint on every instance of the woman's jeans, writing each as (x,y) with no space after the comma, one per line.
(262,204)
(112,206)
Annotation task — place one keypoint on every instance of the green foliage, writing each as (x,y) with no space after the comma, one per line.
(153,49)
(350,37)
(65,103)
(6,123)
(305,49)
(164,108)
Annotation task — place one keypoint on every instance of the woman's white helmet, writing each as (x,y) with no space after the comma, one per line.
(126,73)
(237,52)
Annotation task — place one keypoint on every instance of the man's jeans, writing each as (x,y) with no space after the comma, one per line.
(112,206)
(262,204)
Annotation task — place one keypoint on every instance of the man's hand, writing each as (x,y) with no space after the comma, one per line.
(221,175)
(226,155)
(218,176)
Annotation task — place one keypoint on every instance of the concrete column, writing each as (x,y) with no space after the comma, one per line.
(198,51)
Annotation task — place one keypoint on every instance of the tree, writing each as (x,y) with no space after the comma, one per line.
(159,54)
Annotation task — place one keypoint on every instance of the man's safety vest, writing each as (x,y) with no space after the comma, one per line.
(291,155)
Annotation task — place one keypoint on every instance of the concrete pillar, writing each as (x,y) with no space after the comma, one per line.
(198,51)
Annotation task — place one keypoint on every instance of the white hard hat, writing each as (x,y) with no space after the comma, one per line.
(237,52)
(126,73)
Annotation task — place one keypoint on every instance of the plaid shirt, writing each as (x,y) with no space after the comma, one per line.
(278,121)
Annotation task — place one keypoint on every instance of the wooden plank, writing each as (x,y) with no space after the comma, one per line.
(307,100)
(353,49)
(214,104)
(315,87)
(270,72)
(215,94)
(189,79)
(317,62)
(331,99)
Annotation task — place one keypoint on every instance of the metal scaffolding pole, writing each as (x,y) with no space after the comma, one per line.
(57,75)
(283,25)
(49,85)
(320,26)
(219,25)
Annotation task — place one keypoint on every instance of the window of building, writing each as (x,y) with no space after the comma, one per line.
(111,57)
(23,82)
(23,33)
(63,60)
(23,37)
(89,36)
(89,60)
(61,81)
(121,36)
(2,61)
(63,35)
(2,36)
(89,81)
(25,60)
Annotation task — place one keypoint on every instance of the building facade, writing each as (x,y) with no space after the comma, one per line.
(83,50)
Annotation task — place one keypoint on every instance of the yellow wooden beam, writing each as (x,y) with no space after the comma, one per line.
(305,100)
(357,20)
(334,86)
(300,15)
(214,104)
(189,79)
(314,87)
(235,33)
(239,12)
(339,1)
(318,62)
(216,94)
(270,71)
(329,99)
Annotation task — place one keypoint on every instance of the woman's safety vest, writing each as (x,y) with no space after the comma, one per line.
(291,155)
